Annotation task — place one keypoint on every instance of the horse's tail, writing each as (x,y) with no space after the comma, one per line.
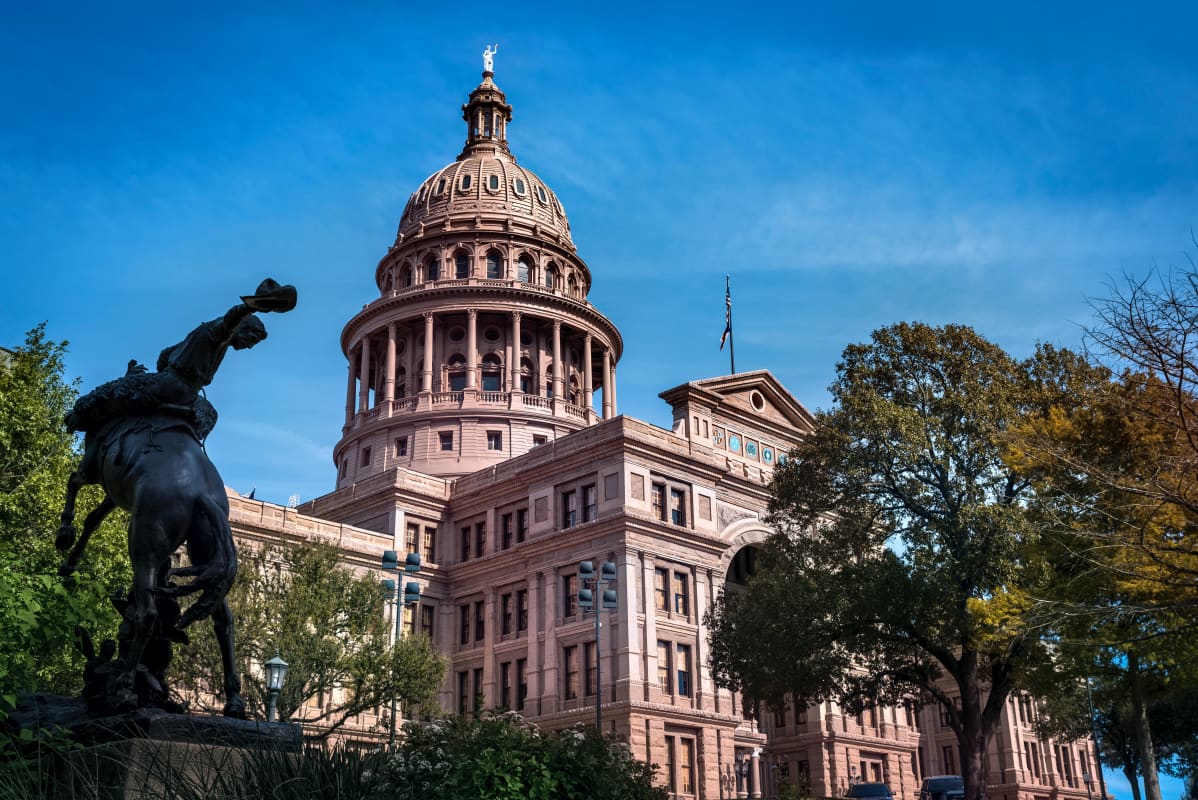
(217,576)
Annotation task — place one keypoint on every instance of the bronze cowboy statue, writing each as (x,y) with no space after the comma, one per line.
(144,444)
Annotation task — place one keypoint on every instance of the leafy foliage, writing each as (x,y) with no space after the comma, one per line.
(898,568)
(328,624)
(39,611)
(502,757)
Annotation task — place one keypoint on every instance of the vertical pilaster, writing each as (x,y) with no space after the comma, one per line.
(755,773)
(350,387)
(607,404)
(514,362)
(557,359)
(389,376)
(364,376)
(427,372)
(472,348)
(587,388)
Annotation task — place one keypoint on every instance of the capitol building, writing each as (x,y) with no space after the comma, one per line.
(482,430)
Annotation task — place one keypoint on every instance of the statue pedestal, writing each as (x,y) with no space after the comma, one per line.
(151,753)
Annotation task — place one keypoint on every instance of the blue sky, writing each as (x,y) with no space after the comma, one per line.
(990,165)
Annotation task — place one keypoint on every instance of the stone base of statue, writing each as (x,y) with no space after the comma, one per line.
(146,753)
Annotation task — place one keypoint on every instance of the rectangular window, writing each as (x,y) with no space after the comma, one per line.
(684,670)
(446,438)
(478,688)
(464,545)
(401,446)
(495,440)
(569,596)
(521,524)
(659,500)
(426,621)
(663,667)
(570,672)
(505,614)
(661,588)
(588,656)
(463,692)
(671,778)
(505,531)
(366,456)
(686,765)
(521,683)
(505,685)
(780,717)
(590,503)
(950,761)
(682,596)
(411,536)
(480,621)
(430,545)
(409,620)
(677,507)
(464,624)
(521,609)
(537,441)
(480,539)
(569,509)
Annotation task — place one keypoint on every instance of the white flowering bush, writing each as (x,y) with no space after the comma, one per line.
(502,757)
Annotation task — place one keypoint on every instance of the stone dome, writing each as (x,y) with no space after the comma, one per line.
(485,185)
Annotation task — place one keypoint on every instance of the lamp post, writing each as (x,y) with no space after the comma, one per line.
(590,587)
(398,599)
(276,674)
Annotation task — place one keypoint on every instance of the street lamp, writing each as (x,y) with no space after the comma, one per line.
(591,585)
(408,597)
(1088,779)
(276,674)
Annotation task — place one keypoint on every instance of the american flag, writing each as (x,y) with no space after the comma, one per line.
(727,316)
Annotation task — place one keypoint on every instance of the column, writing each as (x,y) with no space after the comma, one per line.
(755,773)
(350,387)
(409,363)
(426,384)
(587,388)
(364,376)
(557,360)
(514,364)
(614,412)
(532,667)
(472,348)
(607,406)
(389,374)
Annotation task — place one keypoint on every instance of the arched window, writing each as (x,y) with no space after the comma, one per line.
(527,376)
(387,281)
(401,383)
(524,269)
(572,285)
(492,373)
(494,265)
(551,277)
(457,372)
(461,263)
(549,380)
(432,269)
(405,276)
(575,394)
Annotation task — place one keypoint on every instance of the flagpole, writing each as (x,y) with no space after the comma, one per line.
(731,343)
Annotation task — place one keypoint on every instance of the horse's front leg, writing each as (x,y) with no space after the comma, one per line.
(93,520)
(222,624)
(66,528)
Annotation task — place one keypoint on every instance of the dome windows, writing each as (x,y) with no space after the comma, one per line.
(466,181)
(551,277)
(440,188)
(491,333)
(457,334)
(432,269)
(524,269)
(461,265)
(544,198)
(493,182)
(519,188)
(494,265)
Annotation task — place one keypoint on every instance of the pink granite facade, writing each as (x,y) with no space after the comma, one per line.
(482,431)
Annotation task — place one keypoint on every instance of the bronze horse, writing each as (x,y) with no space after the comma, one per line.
(154,466)
(143,444)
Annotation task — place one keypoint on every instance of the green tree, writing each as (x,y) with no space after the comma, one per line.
(328,623)
(899,557)
(502,757)
(38,610)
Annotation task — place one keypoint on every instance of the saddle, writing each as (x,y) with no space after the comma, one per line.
(136,394)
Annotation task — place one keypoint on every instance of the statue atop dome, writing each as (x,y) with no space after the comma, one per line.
(488,58)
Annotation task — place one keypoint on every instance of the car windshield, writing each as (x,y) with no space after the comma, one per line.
(945,784)
(869,790)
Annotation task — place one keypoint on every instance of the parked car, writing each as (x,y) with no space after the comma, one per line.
(870,791)
(942,787)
